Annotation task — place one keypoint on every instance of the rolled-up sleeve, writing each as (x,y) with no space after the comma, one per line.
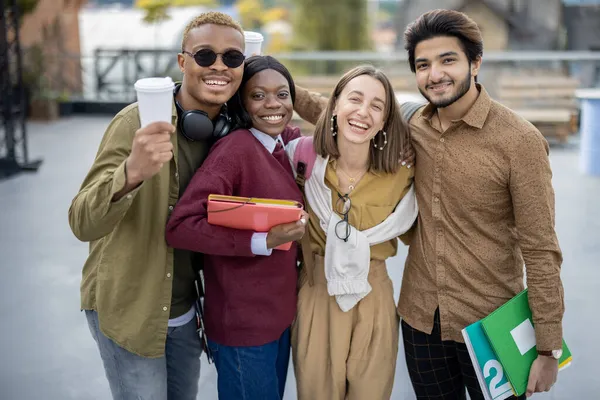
(533,205)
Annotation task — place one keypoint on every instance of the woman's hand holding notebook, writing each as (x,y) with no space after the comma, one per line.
(250,213)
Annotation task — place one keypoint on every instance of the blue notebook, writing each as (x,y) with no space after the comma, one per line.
(490,374)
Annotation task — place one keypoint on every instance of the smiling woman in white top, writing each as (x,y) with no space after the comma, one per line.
(360,199)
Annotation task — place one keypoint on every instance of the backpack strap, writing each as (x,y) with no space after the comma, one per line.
(303,160)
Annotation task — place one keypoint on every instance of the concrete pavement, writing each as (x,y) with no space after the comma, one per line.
(47,352)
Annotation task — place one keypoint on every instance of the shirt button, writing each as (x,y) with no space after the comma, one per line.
(129,197)
(442,140)
(170,208)
(165,308)
(168,274)
(436,199)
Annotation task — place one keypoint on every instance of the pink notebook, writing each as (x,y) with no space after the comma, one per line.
(255,214)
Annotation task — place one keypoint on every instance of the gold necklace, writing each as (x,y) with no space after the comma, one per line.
(353,180)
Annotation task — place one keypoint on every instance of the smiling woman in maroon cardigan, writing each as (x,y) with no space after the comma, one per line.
(250,299)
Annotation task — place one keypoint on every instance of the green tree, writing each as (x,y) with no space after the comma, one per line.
(206,3)
(156,11)
(251,13)
(331,25)
(278,3)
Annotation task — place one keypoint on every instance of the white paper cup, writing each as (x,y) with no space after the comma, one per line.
(155,99)
(254,42)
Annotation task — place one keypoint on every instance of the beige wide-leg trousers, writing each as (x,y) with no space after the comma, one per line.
(345,355)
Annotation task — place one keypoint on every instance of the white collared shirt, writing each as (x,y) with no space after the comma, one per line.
(266,140)
(259,239)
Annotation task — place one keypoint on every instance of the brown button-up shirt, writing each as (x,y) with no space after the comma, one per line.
(486,207)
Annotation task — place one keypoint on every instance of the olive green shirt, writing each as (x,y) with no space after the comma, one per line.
(132,278)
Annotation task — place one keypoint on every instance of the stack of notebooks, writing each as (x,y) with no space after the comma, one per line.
(502,348)
(252,213)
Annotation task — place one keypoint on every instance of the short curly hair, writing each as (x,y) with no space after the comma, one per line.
(211,17)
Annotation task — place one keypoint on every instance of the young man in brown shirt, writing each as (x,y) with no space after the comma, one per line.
(486,207)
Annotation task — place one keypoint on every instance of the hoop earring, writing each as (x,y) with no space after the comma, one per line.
(334,126)
(384,141)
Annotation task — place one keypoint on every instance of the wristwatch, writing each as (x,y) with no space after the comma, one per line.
(556,354)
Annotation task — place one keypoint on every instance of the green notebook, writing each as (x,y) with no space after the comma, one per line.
(512,336)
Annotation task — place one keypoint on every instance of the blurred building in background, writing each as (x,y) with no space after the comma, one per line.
(505,24)
(50,39)
(94,50)
(582,22)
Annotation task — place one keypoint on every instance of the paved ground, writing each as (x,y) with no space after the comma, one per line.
(46,349)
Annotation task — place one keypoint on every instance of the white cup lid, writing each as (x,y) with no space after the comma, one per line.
(154,84)
(253,37)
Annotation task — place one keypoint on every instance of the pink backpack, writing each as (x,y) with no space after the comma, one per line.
(304,159)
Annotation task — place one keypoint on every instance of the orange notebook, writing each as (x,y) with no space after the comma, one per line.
(255,214)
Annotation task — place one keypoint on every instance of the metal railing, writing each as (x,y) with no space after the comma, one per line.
(109,75)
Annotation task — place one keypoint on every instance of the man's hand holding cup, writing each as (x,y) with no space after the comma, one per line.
(150,150)
(151,147)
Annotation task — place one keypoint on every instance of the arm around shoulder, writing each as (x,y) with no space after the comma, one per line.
(309,105)
(407,180)
(93,212)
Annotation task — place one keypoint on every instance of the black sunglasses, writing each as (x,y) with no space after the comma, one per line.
(342,207)
(207,57)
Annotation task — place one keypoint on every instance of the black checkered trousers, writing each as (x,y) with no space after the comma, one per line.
(439,369)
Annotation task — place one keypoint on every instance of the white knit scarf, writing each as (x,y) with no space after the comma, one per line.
(347,263)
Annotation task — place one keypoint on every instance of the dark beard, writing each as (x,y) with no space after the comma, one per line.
(463,88)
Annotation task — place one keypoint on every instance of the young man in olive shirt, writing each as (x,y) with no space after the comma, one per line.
(138,293)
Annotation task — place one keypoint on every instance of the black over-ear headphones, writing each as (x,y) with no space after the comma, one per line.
(195,125)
